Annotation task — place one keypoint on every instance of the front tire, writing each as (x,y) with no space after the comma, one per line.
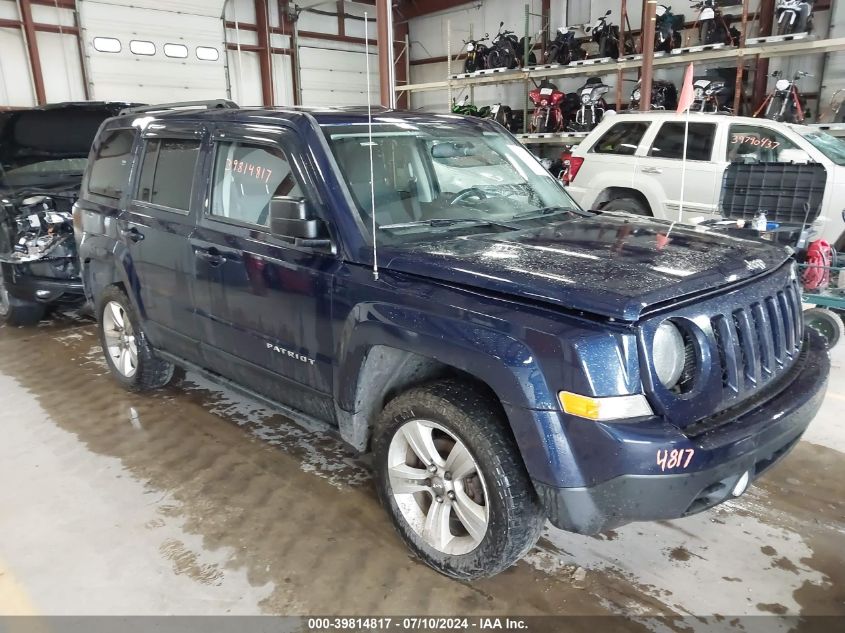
(628,205)
(128,353)
(451,476)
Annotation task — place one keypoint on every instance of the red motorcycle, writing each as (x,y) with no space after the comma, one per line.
(548,108)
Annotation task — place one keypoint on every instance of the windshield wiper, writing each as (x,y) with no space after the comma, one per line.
(445,222)
(545,211)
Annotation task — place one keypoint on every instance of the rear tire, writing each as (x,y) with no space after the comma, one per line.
(826,323)
(129,355)
(14,311)
(450,474)
(628,205)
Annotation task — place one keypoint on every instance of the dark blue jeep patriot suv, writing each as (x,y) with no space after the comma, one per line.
(422,284)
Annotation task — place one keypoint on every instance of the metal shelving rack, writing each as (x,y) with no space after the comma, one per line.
(765,47)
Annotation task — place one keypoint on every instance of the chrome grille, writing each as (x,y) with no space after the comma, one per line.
(755,343)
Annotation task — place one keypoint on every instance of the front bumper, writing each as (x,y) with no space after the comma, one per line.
(751,442)
(45,290)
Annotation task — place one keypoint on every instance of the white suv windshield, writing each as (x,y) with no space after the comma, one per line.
(828,145)
(442,175)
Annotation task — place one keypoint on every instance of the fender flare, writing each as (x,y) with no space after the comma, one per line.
(501,362)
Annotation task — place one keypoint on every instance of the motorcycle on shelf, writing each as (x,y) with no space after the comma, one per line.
(503,51)
(592,107)
(502,114)
(666,33)
(784,103)
(606,35)
(476,54)
(520,53)
(711,24)
(793,16)
(712,95)
(548,115)
(466,108)
(565,48)
(664,96)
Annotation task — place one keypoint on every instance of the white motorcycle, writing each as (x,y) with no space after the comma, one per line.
(794,16)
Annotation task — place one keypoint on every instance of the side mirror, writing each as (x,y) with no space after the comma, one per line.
(289,217)
(608,12)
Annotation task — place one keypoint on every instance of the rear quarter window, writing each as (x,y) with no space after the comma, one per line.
(622,139)
(669,142)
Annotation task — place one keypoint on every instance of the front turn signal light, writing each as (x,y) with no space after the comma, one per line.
(605,409)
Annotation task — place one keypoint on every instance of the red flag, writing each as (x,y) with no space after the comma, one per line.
(687,97)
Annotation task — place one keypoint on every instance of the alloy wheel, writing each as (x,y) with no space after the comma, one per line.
(438,487)
(120,339)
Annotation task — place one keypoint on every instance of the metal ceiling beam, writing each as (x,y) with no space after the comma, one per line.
(416,8)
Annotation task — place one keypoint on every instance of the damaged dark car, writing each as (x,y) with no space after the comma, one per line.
(43,154)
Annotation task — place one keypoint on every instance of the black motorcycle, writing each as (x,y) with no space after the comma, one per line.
(666,33)
(476,54)
(712,95)
(503,52)
(664,96)
(794,16)
(606,35)
(565,48)
(712,26)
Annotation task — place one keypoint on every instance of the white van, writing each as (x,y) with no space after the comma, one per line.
(632,162)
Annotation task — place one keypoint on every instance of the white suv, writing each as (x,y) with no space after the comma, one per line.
(632,162)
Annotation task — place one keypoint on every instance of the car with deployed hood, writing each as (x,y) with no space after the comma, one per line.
(43,153)
(507,356)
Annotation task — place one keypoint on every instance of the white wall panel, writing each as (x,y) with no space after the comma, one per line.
(15,80)
(157,78)
(337,76)
(211,8)
(61,67)
(245,77)
(52,15)
(282,80)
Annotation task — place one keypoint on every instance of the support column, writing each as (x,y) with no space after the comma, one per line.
(400,65)
(32,50)
(761,74)
(387,82)
(264,59)
(648,29)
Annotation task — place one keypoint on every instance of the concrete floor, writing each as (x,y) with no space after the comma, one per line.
(196,501)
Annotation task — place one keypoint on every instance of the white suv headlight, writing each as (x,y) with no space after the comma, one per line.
(668,354)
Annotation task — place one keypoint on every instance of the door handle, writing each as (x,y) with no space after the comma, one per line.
(212,256)
(651,170)
(132,234)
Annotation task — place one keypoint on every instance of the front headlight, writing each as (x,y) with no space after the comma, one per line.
(636,94)
(585,99)
(668,354)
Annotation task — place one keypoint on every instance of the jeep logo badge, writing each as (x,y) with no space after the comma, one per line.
(755,264)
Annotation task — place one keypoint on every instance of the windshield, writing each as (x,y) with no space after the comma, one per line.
(42,172)
(828,145)
(443,176)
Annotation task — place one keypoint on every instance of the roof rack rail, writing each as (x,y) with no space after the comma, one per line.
(211,104)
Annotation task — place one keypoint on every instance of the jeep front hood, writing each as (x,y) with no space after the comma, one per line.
(611,264)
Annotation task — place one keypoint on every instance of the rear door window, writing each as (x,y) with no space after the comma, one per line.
(246,177)
(110,167)
(622,139)
(669,142)
(167,173)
